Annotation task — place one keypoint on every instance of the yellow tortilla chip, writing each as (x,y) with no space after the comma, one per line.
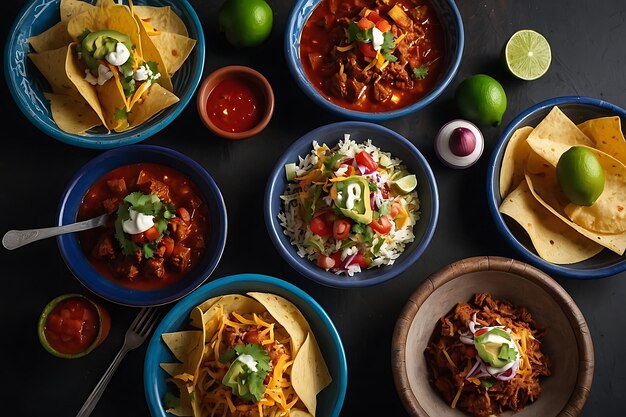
(552,238)
(152,102)
(72,113)
(541,191)
(113,103)
(151,53)
(54,38)
(226,305)
(174,49)
(514,160)
(607,134)
(52,66)
(183,344)
(557,127)
(71,8)
(608,213)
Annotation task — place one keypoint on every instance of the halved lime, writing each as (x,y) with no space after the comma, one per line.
(405,184)
(527,54)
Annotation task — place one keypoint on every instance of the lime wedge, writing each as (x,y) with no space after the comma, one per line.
(527,54)
(405,184)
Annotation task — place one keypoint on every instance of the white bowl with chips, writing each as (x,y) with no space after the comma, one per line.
(543,234)
(68,117)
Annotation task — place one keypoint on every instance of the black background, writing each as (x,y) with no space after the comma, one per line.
(587,40)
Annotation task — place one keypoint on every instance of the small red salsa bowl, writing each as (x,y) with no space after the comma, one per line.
(235,102)
(72,325)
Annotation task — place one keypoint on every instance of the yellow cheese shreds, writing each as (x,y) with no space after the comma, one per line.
(456,397)
(345,48)
(260,322)
(231,406)
(242,319)
(445,353)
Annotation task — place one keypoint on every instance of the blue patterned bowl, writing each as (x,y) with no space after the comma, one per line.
(28,86)
(452,24)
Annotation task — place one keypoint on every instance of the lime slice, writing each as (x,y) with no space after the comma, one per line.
(405,184)
(527,54)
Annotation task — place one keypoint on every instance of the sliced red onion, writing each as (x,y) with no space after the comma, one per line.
(511,372)
(361,169)
(469,374)
(466,339)
(348,260)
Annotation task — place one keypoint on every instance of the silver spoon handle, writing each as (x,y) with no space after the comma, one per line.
(14,239)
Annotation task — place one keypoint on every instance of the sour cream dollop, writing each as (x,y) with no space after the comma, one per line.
(119,56)
(248,360)
(138,222)
(104,75)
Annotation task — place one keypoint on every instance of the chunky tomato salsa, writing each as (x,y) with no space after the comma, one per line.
(158,227)
(373,55)
(72,326)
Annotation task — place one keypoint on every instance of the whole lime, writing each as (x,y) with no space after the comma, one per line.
(245,22)
(580,175)
(481,99)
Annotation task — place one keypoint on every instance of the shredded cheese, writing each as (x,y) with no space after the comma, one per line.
(456,397)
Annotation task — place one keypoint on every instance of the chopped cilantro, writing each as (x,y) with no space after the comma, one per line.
(170,400)
(385,208)
(364,36)
(351,32)
(120,114)
(388,41)
(330,163)
(228,356)
(372,186)
(358,228)
(487,383)
(245,382)
(376,248)
(421,72)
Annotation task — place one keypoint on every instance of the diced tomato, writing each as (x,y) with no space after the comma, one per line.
(359,260)
(54,323)
(72,327)
(139,238)
(325,262)
(153,233)
(183,213)
(320,226)
(374,17)
(395,209)
(341,229)
(364,159)
(367,49)
(337,258)
(480,331)
(365,23)
(168,243)
(382,225)
(383,25)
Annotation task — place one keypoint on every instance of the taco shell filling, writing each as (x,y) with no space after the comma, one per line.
(237,328)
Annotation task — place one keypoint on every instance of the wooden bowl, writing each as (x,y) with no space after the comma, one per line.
(567,340)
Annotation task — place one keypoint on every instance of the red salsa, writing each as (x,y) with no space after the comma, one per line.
(373,55)
(172,244)
(235,105)
(72,326)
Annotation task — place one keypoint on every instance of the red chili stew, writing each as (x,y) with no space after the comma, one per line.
(160,255)
(373,55)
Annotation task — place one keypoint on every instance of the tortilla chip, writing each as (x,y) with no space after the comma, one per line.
(227,304)
(614,242)
(54,38)
(553,239)
(608,213)
(113,103)
(607,134)
(72,113)
(309,374)
(557,127)
(52,66)
(152,102)
(71,8)
(513,161)
(151,53)
(174,49)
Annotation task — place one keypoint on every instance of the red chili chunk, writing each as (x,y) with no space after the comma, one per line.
(72,325)
(235,105)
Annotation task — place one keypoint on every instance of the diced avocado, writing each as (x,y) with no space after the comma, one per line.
(231,379)
(492,352)
(96,45)
(290,171)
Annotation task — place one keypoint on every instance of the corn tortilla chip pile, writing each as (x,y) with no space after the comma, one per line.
(562,232)
(158,37)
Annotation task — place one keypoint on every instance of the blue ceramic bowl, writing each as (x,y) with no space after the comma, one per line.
(388,141)
(80,266)
(578,109)
(452,24)
(28,86)
(329,400)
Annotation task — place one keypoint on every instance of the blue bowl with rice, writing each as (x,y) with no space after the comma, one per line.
(386,254)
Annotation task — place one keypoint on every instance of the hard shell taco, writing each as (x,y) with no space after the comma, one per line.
(259,357)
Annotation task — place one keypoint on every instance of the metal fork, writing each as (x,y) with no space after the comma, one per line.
(138,331)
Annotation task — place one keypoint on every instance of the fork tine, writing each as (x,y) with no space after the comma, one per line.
(139,317)
(148,320)
(151,323)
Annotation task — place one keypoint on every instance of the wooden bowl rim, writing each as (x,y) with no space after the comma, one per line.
(575,317)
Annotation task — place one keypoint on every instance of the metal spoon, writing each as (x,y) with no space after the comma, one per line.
(14,239)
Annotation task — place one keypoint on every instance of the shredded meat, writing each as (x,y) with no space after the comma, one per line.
(449,359)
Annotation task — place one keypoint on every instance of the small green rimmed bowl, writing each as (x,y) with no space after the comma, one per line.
(72,325)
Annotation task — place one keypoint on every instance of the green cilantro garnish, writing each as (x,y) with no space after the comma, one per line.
(387,47)
(245,382)
(314,192)
(120,114)
(170,400)
(421,72)
(228,356)
(376,248)
(150,205)
(385,208)
(351,32)
(487,383)
(330,163)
